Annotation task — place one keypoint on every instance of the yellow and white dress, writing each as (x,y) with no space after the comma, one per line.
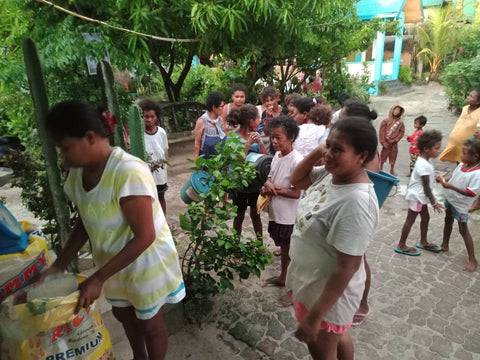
(155,277)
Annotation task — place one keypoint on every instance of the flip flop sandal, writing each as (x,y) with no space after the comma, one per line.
(430,247)
(412,252)
(359,318)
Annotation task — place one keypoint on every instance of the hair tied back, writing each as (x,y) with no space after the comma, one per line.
(109,121)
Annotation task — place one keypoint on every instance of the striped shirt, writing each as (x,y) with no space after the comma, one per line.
(155,277)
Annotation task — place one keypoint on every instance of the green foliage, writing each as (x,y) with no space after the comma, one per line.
(202,80)
(40,101)
(215,252)
(296,36)
(339,81)
(460,78)
(405,74)
(463,75)
(439,36)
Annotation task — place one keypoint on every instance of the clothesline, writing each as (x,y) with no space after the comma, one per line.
(116,27)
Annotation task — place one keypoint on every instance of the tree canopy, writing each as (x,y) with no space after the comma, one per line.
(298,35)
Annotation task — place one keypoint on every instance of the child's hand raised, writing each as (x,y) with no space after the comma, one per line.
(440,179)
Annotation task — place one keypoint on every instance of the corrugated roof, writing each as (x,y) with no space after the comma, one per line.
(369,9)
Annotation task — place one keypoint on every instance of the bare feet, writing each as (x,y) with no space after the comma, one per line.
(471,266)
(275,281)
(445,247)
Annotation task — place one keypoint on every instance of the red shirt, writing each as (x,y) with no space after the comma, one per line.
(412,139)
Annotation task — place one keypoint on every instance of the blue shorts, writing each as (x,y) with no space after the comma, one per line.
(456,214)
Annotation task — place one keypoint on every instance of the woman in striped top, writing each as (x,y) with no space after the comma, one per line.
(116,197)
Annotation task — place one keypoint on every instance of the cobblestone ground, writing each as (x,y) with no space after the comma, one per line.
(423,307)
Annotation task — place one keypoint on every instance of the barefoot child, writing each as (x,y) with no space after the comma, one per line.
(246,121)
(156,147)
(282,210)
(460,192)
(115,194)
(391,132)
(418,124)
(419,193)
(336,220)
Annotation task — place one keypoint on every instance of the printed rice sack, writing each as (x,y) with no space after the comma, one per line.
(19,269)
(47,329)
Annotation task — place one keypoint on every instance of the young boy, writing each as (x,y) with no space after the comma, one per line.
(282,210)
(239,96)
(392,130)
(414,151)
(156,147)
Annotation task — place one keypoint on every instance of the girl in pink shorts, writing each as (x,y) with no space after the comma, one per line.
(336,220)
(419,194)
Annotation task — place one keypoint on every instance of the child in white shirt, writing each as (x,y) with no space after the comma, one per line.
(419,193)
(282,209)
(156,147)
(460,193)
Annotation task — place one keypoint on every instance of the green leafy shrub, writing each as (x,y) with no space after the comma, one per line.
(460,78)
(405,74)
(202,80)
(215,251)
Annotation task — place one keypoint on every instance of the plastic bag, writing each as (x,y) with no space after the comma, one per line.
(48,329)
(18,270)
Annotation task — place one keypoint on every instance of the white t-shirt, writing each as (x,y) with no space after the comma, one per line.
(155,146)
(415,186)
(283,210)
(331,218)
(468,180)
(308,138)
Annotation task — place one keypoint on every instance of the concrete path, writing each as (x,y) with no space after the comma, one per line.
(422,307)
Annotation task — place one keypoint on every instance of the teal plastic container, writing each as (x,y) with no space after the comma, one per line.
(12,237)
(382,184)
(199,183)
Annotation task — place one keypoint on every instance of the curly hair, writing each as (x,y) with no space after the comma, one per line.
(239,87)
(320,115)
(474,146)
(287,123)
(243,116)
(290,98)
(74,118)
(269,91)
(215,98)
(428,139)
(150,104)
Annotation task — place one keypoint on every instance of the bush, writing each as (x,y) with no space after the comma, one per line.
(202,80)
(460,78)
(405,74)
(215,251)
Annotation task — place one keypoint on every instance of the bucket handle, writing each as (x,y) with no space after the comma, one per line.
(395,193)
